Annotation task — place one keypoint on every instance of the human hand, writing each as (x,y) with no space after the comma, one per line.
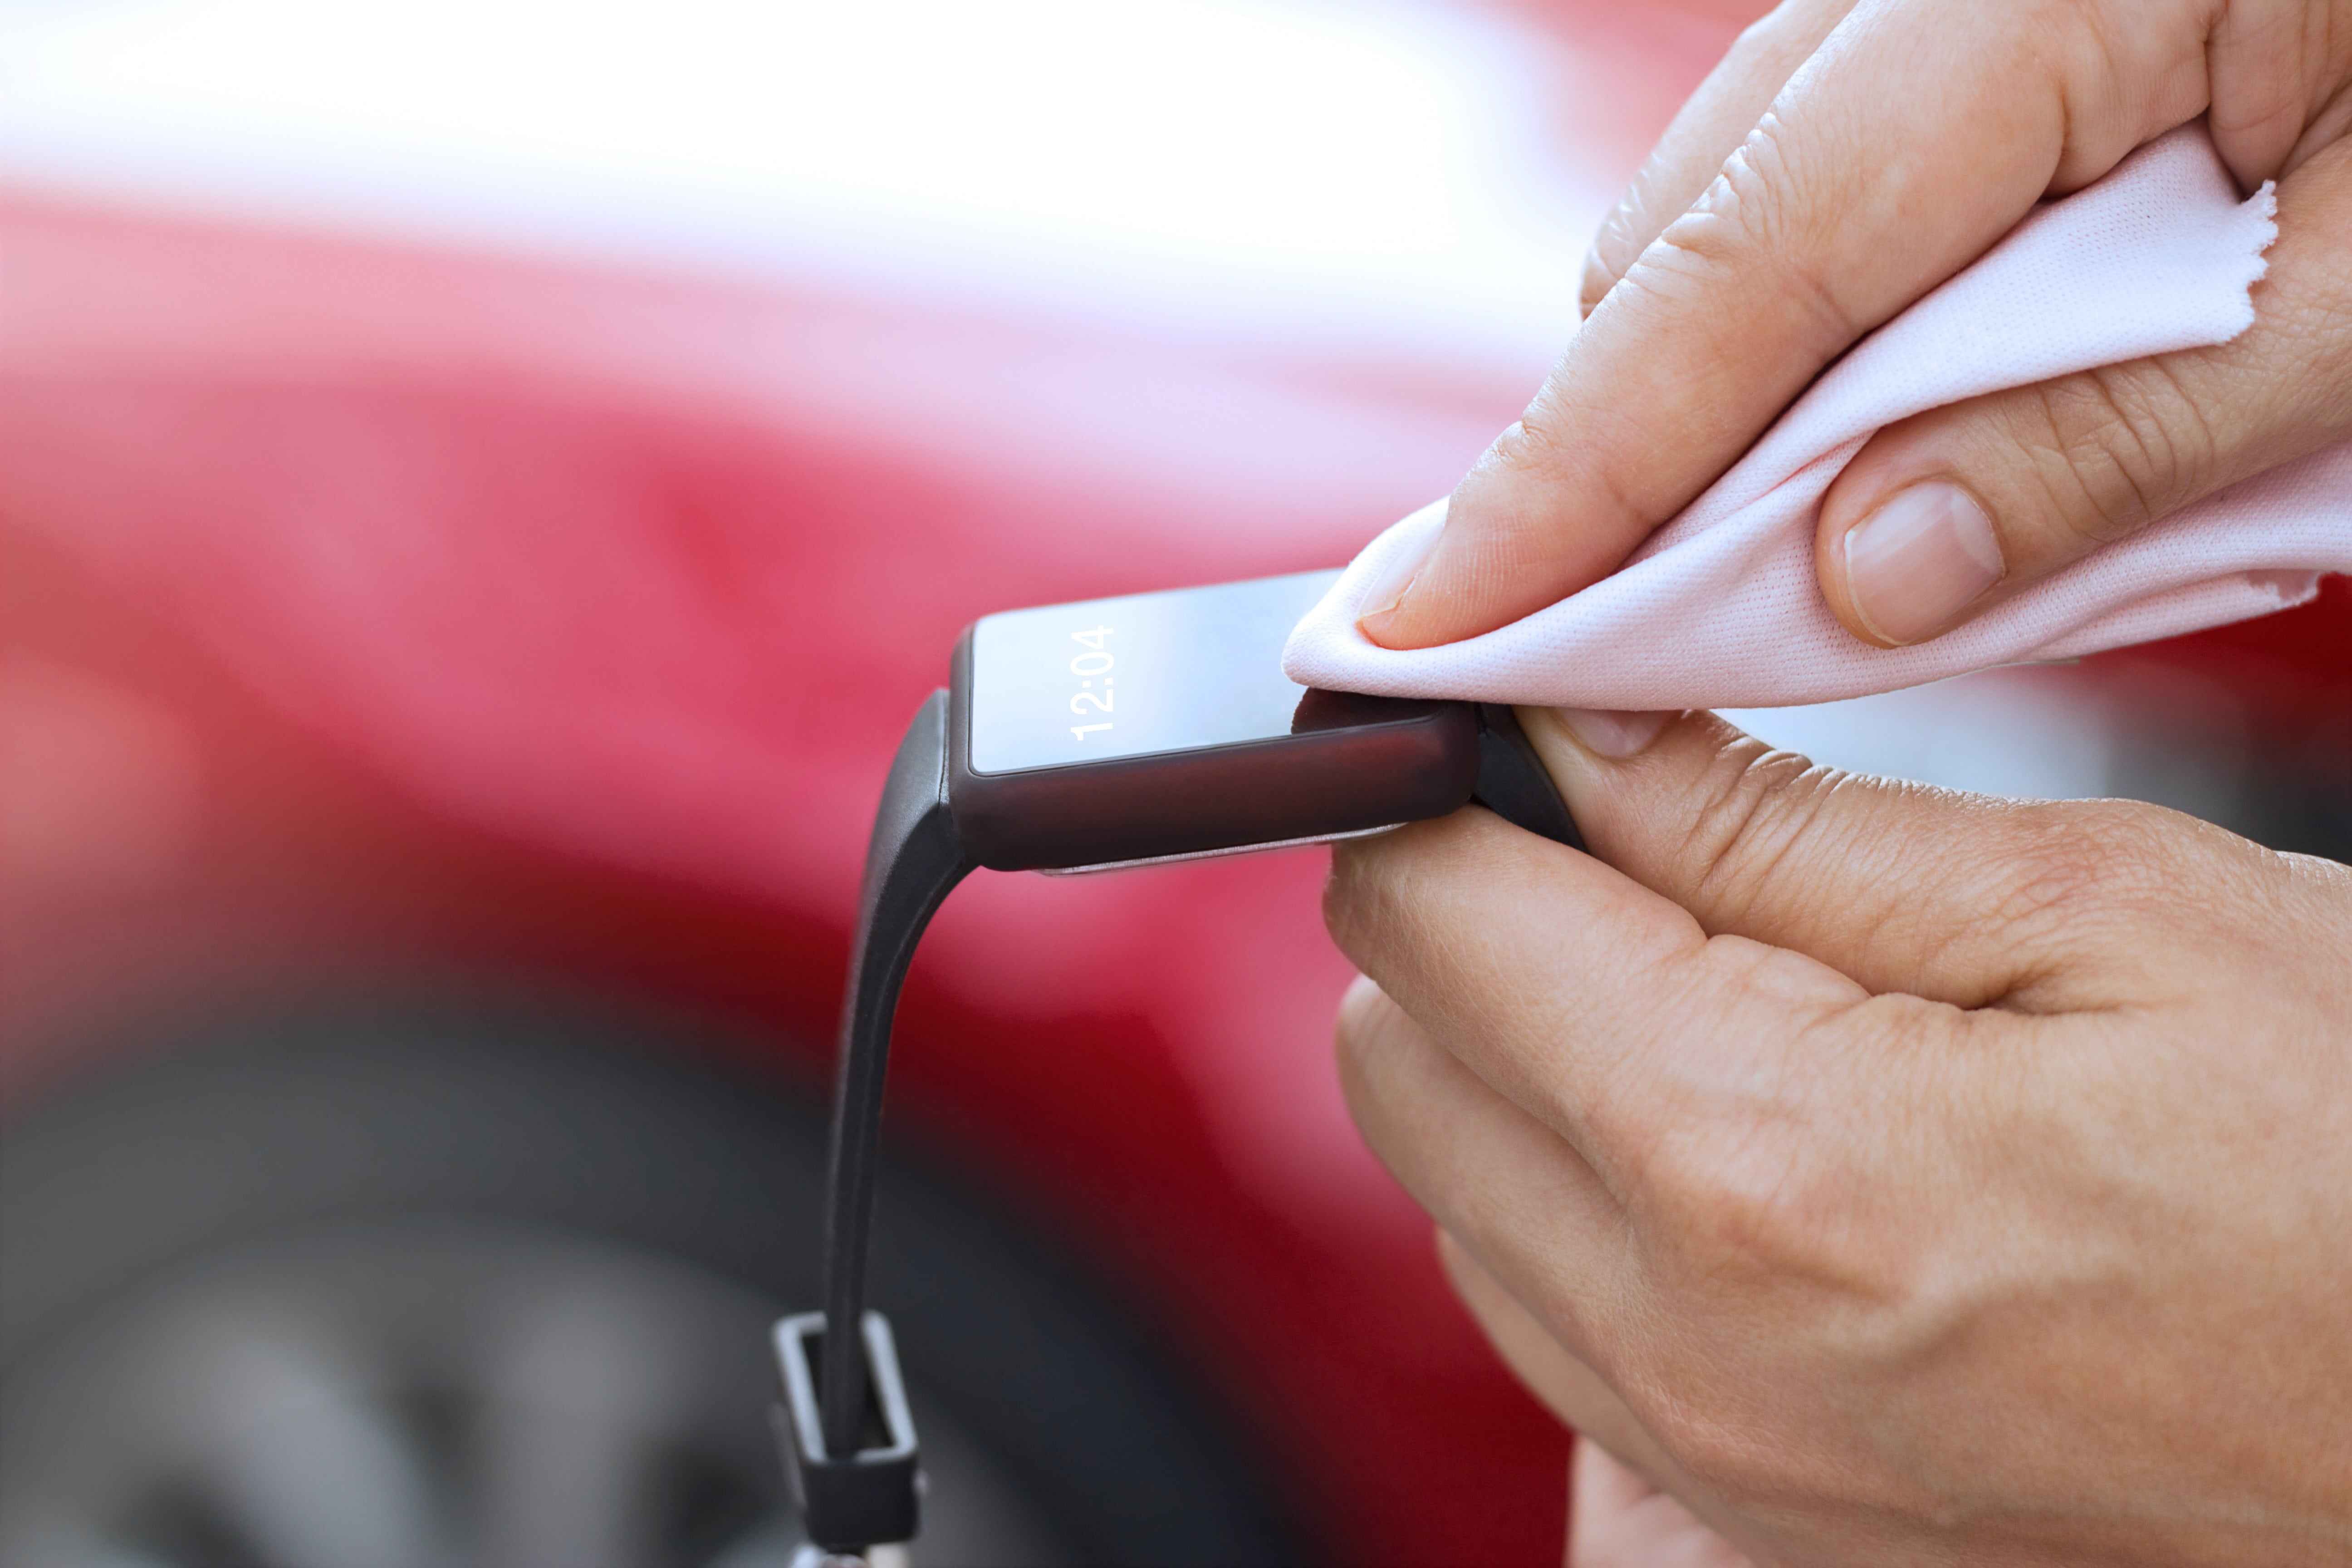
(1844,160)
(1888,1174)
(1616,1518)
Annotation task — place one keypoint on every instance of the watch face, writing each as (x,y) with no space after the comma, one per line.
(1150,674)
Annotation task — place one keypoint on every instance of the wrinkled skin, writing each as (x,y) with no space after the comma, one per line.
(1882,1175)
(1844,160)
(1874,1174)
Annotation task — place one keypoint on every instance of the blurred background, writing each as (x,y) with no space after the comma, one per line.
(482,487)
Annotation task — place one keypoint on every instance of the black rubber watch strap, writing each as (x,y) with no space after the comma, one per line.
(912,862)
(844,1420)
(1513,783)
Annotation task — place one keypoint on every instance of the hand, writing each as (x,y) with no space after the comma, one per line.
(1618,1519)
(1889,1175)
(1844,160)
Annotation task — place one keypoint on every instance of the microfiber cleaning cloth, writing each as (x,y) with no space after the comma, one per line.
(1720,607)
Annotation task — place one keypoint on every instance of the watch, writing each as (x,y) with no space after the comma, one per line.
(1092,736)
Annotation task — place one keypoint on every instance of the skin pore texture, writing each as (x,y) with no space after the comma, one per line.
(1880,1175)
(1874,1174)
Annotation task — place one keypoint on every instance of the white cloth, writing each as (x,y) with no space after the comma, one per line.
(1720,607)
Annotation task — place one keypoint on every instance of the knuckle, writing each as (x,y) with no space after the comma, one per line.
(1539,442)
(2115,448)
(1556,449)
(2264,106)
(1740,1205)
(1624,233)
(1750,1209)
(1760,219)
(1756,201)
(1754,1183)
(1757,806)
(2082,864)
(1787,1210)
(1555,436)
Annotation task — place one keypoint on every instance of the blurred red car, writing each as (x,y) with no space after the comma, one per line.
(444,691)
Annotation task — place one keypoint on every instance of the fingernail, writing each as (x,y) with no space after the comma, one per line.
(1607,732)
(1396,580)
(1923,557)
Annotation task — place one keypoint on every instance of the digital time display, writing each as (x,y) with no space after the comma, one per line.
(1096,659)
(1139,675)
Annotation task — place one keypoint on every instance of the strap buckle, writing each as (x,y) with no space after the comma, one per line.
(860,1499)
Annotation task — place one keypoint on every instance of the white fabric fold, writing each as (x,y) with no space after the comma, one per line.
(1720,608)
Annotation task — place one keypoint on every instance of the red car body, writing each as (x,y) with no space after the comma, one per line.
(375,602)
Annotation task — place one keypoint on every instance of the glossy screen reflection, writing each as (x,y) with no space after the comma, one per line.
(1150,673)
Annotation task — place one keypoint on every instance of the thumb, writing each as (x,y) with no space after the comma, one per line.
(1948,513)
(1945,515)
(1965,899)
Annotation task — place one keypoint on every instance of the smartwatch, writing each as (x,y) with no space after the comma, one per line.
(1092,736)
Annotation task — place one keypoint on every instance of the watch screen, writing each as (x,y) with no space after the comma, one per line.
(1150,673)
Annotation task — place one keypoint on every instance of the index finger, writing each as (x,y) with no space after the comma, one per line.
(1913,138)
(1712,123)
(1556,978)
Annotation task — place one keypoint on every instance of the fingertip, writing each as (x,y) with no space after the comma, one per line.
(1431,600)
(1383,621)
(1842,510)
(1426,617)
(1519,535)
(1851,497)
(1611,734)
(1390,629)
(1584,747)
(1905,550)
(1403,620)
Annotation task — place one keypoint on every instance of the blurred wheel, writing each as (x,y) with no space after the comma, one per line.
(362,1289)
